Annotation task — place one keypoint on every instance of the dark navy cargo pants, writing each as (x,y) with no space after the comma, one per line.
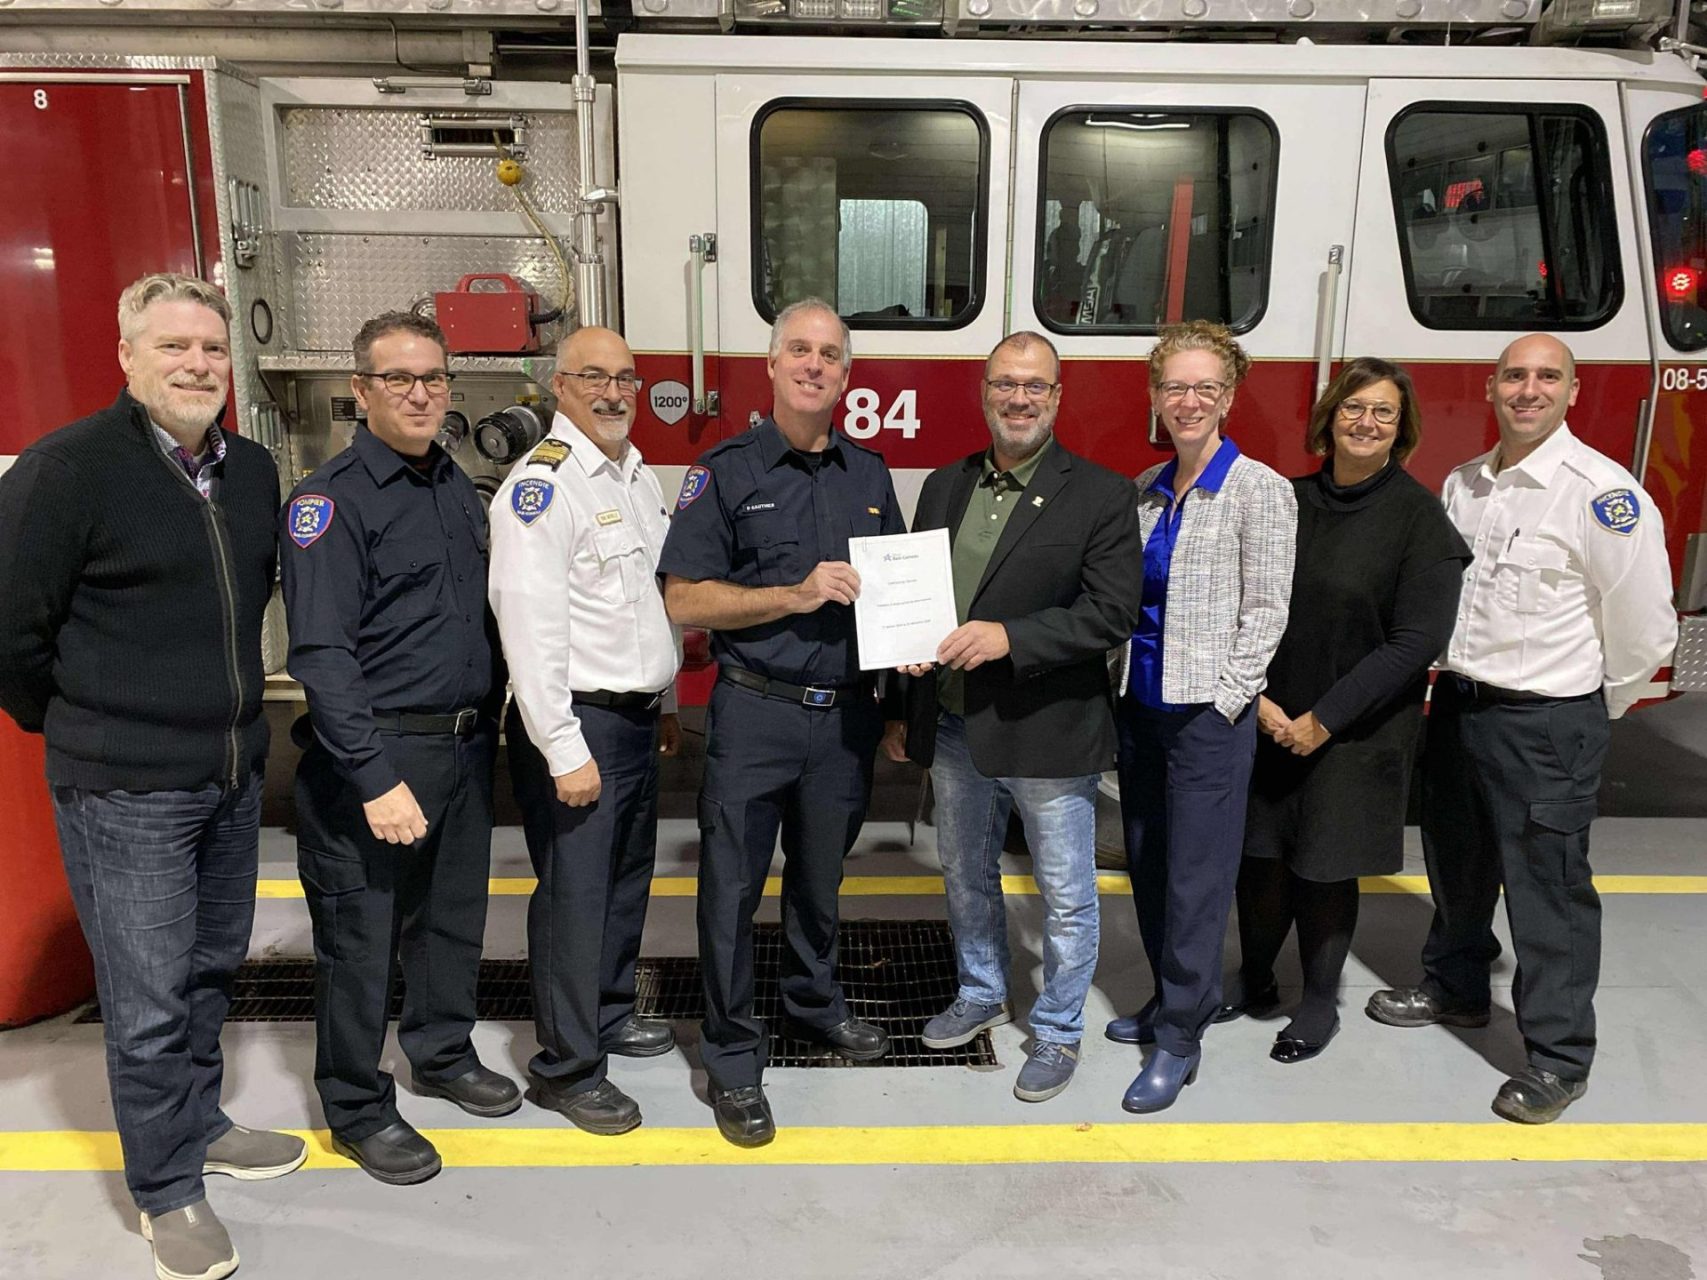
(774,766)
(594,864)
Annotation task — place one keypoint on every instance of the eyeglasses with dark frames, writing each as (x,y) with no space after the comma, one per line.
(400,383)
(627,384)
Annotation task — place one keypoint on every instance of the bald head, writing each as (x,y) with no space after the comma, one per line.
(588,363)
(1531,389)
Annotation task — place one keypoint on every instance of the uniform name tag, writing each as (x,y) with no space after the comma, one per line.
(1618,510)
(550,452)
(530,499)
(310,516)
(613,516)
(758,506)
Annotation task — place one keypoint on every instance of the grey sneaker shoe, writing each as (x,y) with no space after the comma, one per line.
(1046,1072)
(254,1154)
(189,1244)
(961,1021)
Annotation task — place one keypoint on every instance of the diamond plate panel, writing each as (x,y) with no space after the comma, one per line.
(340,281)
(1689,663)
(338,158)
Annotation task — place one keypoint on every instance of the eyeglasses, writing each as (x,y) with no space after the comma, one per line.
(1208,392)
(1385,414)
(626,383)
(403,384)
(1007,386)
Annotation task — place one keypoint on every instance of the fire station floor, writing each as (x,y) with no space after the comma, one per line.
(1380,1158)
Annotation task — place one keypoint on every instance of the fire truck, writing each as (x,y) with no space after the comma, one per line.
(1415,179)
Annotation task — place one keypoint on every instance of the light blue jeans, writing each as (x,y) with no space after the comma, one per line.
(1059,816)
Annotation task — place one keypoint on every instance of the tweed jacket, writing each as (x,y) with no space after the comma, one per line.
(1228,586)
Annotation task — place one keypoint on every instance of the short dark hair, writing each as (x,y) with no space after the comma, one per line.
(395,322)
(1021,340)
(1365,371)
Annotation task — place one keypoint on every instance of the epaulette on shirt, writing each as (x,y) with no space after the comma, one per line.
(549,452)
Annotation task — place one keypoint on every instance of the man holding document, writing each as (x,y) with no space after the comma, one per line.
(758,552)
(1046,565)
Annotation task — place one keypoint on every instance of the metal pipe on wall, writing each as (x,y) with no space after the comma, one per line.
(589,261)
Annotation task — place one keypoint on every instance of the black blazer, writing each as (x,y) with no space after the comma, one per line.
(1065,580)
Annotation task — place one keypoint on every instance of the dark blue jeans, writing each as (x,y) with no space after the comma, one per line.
(164,883)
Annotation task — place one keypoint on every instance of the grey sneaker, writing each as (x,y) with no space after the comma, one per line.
(1046,1072)
(254,1154)
(961,1021)
(189,1244)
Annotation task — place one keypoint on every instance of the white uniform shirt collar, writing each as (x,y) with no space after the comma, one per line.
(1540,465)
(587,454)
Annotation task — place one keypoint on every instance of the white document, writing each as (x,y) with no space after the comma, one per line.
(906,597)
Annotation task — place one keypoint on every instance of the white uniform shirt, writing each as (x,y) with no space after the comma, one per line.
(575,546)
(1570,589)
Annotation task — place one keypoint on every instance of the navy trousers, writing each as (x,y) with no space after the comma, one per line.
(1184,780)
(773,766)
(1509,792)
(378,907)
(164,883)
(594,865)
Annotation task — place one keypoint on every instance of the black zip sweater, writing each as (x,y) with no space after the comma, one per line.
(130,606)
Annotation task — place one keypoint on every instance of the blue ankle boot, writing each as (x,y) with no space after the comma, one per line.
(1137,1028)
(1159,1083)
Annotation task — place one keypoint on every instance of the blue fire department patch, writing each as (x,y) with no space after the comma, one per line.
(693,484)
(1618,510)
(530,498)
(309,517)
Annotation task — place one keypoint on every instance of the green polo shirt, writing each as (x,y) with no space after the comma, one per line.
(993,501)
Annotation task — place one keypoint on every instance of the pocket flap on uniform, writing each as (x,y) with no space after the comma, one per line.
(1563,816)
(766,529)
(710,814)
(388,562)
(615,540)
(1535,553)
(329,874)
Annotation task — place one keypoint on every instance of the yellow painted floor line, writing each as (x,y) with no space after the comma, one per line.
(1140,1142)
(1114,883)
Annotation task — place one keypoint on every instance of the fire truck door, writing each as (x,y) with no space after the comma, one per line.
(1146,201)
(1489,209)
(82,227)
(887,196)
(1667,131)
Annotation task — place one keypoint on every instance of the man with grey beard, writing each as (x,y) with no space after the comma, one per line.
(1046,555)
(576,532)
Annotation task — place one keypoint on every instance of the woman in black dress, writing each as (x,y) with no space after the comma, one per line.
(1374,594)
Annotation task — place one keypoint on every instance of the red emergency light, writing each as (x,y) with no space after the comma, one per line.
(1680,283)
(1696,159)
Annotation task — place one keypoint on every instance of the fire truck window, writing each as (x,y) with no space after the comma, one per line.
(1506,217)
(878,206)
(1150,217)
(1676,159)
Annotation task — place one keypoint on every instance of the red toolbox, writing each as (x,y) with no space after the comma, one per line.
(488,321)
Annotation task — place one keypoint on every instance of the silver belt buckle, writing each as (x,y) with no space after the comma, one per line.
(814,697)
(465,721)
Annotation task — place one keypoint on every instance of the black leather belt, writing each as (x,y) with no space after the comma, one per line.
(1475,691)
(461,723)
(807,695)
(605,698)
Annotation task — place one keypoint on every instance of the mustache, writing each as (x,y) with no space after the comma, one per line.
(609,406)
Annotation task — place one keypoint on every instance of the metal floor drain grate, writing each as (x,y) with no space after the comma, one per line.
(895,973)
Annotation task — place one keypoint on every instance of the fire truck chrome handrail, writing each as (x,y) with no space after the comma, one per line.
(698,246)
(1325,316)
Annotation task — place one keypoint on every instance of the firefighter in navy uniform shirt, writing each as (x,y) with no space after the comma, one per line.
(1565,614)
(757,552)
(384,558)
